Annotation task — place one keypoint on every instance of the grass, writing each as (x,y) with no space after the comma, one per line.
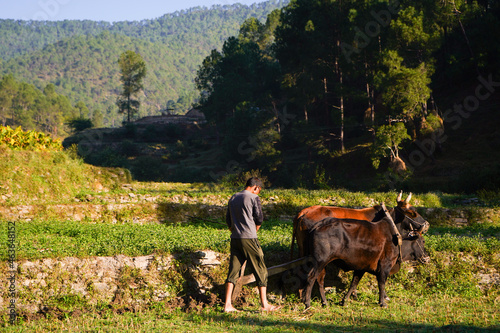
(423,314)
(51,176)
(441,296)
(42,239)
(51,238)
(58,177)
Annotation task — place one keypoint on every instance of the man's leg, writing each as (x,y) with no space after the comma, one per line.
(255,257)
(228,307)
(235,261)
(263,299)
(265,306)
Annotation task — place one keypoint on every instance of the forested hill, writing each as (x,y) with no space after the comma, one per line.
(80,57)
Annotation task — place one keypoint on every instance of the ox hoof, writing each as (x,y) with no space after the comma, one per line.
(383,305)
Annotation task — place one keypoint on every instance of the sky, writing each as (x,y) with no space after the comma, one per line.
(101,10)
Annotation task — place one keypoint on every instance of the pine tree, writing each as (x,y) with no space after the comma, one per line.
(133,71)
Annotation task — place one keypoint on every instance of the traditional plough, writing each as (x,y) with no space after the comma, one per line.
(247,279)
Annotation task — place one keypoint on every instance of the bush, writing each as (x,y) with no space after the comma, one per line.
(148,168)
(80,124)
(237,180)
(129,148)
(19,139)
(150,134)
(108,157)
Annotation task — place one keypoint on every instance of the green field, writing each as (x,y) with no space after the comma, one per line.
(444,295)
(93,214)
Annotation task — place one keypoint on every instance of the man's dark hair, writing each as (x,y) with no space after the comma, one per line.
(254,181)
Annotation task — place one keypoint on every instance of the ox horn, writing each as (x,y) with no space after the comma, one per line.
(408,199)
(400,196)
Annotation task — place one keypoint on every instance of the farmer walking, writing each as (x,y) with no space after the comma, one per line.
(244,218)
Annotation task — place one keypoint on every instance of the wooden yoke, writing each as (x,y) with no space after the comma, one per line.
(395,232)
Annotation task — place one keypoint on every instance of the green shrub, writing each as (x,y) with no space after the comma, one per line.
(129,148)
(148,168)
(238,179)
(107,157)
(19,139)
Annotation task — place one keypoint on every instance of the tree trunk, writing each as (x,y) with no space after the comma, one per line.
(325,102)
(341,116)
(339,73)
(128,108)
(276,114)
(369,96)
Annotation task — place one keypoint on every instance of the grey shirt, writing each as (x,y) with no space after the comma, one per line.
(244,213)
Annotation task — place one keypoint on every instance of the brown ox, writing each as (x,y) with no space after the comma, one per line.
(308,217)
(362,246)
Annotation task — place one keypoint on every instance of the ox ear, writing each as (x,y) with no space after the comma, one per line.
(408,199)
(400,196)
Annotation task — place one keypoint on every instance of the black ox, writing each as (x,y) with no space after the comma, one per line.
(362,246)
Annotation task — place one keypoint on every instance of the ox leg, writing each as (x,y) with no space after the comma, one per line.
(311,279)
(354,284)
(381,279)
(306,294)
(302,273)
(321,284)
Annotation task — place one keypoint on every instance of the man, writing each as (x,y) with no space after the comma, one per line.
(244,218)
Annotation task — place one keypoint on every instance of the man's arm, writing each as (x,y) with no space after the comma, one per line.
(258,216)
(228,218)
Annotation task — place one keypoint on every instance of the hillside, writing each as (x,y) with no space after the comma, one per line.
(79,57)
(83,68)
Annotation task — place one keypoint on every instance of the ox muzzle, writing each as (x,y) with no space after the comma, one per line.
(424,259)
(425,227)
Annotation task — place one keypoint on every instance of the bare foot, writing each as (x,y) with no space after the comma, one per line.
(231,309)
(270,308)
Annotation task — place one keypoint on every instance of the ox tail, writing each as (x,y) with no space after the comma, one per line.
(294,234)
(293,237)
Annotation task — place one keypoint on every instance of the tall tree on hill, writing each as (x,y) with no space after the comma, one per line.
(133,71)
(307,46)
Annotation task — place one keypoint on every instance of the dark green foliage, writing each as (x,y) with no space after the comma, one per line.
(147,168)
(129,148)
(343,67)
(107,157)
(79,124)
